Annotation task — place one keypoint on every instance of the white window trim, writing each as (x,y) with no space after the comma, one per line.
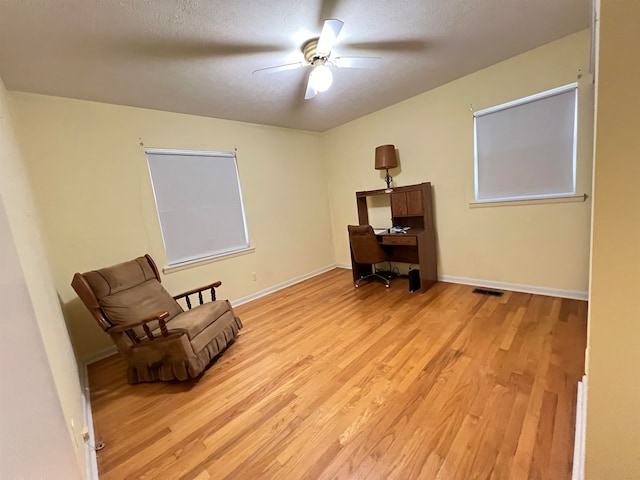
(530,201)
(204,261)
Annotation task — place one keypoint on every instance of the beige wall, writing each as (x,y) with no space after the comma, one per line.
(613,402)
(535,245)
(92,185)
(40,388)
(90,179)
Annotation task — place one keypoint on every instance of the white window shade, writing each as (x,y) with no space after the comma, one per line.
(527,148)
(199,204)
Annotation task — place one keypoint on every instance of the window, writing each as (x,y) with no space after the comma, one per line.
(526,149)
(199,204)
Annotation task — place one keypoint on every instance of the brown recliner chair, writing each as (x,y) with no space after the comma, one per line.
(366,250)
(159,340)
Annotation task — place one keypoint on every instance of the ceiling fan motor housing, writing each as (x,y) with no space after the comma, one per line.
(309,50)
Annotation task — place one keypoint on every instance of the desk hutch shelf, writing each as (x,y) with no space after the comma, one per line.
(411,206)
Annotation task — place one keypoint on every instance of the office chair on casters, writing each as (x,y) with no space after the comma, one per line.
(365,249)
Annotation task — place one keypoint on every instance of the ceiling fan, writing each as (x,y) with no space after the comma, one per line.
(318,55)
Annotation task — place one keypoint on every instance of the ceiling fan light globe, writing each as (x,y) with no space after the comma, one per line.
(321,78)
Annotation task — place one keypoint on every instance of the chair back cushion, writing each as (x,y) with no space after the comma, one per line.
(110,280)
(130,292)
(364,245)
(139,302)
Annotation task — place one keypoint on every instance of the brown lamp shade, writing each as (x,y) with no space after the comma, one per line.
(386,157)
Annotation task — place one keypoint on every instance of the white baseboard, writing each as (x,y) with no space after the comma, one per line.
(516,287)
(112,350)
(99,355)
(91,459)
(513,287)
(580,438)
(280,286)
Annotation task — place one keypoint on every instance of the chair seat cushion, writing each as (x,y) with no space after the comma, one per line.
(197,319)
(181,358)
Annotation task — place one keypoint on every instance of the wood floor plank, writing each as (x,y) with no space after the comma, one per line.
(327,381)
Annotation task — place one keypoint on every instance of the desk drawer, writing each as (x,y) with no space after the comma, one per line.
(399,240)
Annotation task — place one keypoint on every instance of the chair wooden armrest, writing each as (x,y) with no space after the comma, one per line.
(185,295)
(128,328)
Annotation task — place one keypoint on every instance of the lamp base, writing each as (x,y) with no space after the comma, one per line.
(388,179)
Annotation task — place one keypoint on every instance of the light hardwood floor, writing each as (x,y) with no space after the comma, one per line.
(329,381)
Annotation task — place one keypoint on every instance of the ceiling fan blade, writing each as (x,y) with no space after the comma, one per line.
(327,9)
(183,49)
(279,68)
(391,45)
(330,31)
(310,91)
(356,62)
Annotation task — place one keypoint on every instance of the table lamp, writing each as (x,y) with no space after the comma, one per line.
(386,159)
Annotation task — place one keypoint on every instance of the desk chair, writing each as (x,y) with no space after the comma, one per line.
(365,249)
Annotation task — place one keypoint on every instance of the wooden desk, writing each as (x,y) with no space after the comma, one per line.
(411,206)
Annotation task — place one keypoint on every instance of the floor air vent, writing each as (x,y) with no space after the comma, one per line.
(484,291)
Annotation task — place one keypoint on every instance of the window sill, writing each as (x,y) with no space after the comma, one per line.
(530,201)
(204,261)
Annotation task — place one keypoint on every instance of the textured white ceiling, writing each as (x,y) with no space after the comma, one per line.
(197,56)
